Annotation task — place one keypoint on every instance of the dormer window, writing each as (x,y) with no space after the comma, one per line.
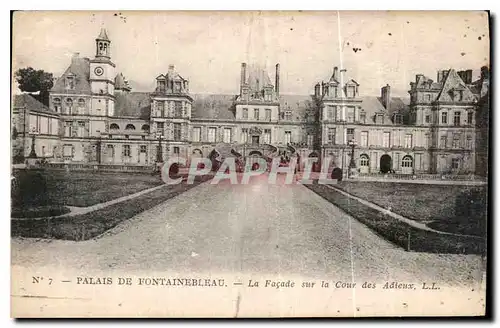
(398,119)
(362,117)
(161,85)
(70,82)
(177,86)
(351,91)
(380,118)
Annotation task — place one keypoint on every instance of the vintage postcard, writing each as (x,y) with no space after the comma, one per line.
(249,164)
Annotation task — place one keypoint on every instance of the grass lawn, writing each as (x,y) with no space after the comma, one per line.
(90,188)
(451,208)
(398,232)
(93,224)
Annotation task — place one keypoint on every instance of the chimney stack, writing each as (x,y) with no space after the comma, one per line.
(386,96)
(335,73)
(277,80)
(317,90)
(243,78)
(468,73)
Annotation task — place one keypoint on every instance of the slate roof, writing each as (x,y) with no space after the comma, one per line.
(133,104)
(80,69)
(103,35)
(29,102)
(300,105)
(220,106)
(213,107)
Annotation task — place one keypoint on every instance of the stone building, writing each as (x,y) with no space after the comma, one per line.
(101,120)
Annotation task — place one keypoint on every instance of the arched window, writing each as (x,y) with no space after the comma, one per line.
(407,161)
(364,160)
(69,101)
(114,126)
(57,104)
(130,127)
(145,128)
(81,102)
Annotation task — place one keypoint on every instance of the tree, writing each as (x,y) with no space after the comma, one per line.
(31,80)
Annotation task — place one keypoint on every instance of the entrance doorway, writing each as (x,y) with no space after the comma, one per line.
(385,163)
(255,140)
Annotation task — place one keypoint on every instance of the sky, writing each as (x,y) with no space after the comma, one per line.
(207,48)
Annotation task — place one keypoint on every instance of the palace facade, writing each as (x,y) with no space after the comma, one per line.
(95,117)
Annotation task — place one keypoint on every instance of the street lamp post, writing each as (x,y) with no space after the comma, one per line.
(353,172)
(99,147)
(159,154)
(33,133)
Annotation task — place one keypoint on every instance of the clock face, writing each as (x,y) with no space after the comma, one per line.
(98,71)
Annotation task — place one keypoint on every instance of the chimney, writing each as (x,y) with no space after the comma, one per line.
(386,96)
(317,90)
(335,73)
(469,76)
(485,73)
(75,56)
(243,78)
(277,80)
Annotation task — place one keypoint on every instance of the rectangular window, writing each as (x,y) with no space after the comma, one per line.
(387,139)
(350,134)
(126,150)
(444,118)
(455,163)
(362,118)
(331,113)
(177,131)
(427,140)
(408,141)
(81,129)
(160,127)
(443,142)
(178,108)
(470,117)
(288,115)
(197,134)
(256,114)
(68,151)
(268,114)
(211,134)
(160,107)
(267,136)
(456,119)
(331,136)
(469,142)
(245,113)
(310,140)
(161,85)
(244,135)
(227,135)
(456,141)
(67,128)
(288,137)
(143,149)
(351,92)
(427,118)
(176,150)
(350,114)
(364,139)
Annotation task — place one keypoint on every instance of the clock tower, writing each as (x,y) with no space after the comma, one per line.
(102,77)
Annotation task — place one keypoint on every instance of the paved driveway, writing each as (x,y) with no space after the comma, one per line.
(251,229)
